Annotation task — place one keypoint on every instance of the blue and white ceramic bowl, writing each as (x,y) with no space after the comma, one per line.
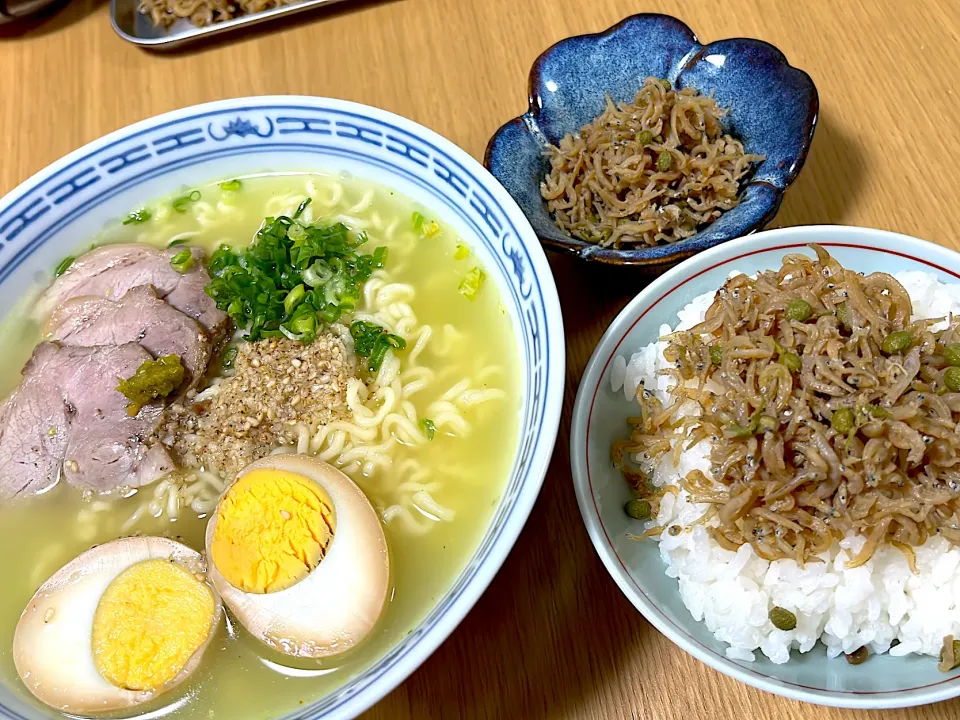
(41,220)
(773,109)
(599,418)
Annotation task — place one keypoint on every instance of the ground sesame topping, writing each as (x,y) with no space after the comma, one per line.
(278,385)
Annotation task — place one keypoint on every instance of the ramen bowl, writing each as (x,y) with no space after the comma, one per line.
(45,218)
(600,418)
(772,106)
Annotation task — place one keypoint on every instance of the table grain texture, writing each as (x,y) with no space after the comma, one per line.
(552,637)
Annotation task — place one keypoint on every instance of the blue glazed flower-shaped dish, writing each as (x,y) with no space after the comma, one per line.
(772,108)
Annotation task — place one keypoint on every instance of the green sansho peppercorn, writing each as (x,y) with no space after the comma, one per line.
(792,361)
(664,161)
(951,378)
(897,343)
(877,411)
(843,315)
(645,137)
(799,310)
(716,354)
(952,354)
(638,509)
(782,618)
(842,420)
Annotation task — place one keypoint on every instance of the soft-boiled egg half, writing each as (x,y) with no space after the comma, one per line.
(299,556)
(117,626)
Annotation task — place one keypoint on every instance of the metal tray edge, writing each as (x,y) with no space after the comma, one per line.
(194,34)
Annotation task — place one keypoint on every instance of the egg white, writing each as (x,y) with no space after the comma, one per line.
(338,604)
(52,645)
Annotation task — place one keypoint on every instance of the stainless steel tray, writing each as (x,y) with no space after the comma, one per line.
(137,28)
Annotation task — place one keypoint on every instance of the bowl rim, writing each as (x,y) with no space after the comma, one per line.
(533,473)
(638,257)
(592,381)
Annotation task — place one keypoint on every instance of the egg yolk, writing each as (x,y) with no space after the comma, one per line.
(149,622)
(273,528)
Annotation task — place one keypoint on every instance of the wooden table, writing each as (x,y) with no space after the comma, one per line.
(552,637)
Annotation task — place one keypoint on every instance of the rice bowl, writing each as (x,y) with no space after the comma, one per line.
(706,612)
(873,605)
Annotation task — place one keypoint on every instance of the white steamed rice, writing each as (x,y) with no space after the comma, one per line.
(873,605)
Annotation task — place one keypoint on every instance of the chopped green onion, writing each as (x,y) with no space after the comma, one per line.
(178,241)
(228,357)
(63,265)
(462,252)
(182,261)
(331,313)
(293,280)
(301,207)
(180,204)
(471,283)
(137,217)
(429,428)
(372,342)
(305,324)
(431,229)
(231,185)
(417,219)
(293,298)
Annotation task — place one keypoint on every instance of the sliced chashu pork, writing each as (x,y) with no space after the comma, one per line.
(138,316)
(111,270)
(67,419)
(33,429)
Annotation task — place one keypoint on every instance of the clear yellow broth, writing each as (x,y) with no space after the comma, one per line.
(239,677)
